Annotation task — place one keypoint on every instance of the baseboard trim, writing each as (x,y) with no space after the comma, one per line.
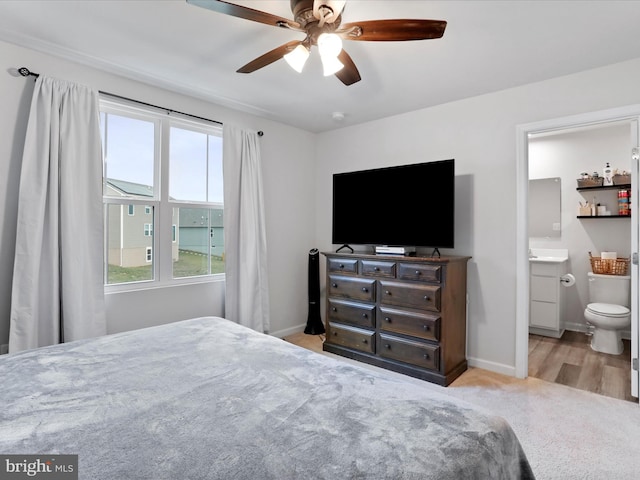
(575,327)
(581,327)
(492,366)
(289,331)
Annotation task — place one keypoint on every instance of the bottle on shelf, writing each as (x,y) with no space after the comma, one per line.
(607,173)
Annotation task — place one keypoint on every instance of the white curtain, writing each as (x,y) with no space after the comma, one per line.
(57,293)
(247,290)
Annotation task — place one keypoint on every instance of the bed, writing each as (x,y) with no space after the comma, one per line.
(208,399)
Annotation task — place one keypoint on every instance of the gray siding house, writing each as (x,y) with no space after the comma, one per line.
(198,226)
(130,227)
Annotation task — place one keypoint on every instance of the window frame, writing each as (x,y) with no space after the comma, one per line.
(160,204)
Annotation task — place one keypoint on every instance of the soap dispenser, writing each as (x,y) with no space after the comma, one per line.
(607,173)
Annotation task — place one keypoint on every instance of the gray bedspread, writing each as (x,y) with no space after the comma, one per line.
(208,399)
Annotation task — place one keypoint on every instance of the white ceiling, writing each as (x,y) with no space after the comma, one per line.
(487,46)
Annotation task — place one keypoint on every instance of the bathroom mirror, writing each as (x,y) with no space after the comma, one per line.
(544,207)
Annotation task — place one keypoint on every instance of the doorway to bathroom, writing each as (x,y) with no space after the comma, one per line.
(560,151)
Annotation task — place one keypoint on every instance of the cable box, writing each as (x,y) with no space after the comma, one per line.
(386,250)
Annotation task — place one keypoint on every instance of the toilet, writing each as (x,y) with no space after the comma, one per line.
(608,311)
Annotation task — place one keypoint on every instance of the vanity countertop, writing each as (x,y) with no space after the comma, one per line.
(548,255)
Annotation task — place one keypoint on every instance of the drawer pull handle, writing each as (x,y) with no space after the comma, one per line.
(387,346)
(334,285)
(341,265)
(426,297)
(365,289)
(418,272)
(335,334)
(387,319)
(426,356)
(377,269)
(426,328)
(364,315)
(364,340)
(387,292)
(334,309)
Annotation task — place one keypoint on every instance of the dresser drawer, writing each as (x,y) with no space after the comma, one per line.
(375,268)
(352,337)
(420,272)
(421,325)
(345,265)
(350,312)
(425,297)
(363,289)
(420,354)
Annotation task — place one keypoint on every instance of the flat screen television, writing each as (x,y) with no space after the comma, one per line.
(408,205)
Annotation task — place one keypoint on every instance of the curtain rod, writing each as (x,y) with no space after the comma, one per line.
(25,72)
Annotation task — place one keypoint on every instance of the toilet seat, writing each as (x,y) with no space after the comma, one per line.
(608,310)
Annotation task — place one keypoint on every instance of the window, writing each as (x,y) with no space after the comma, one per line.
(172,167)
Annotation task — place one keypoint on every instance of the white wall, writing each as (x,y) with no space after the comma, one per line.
(287,153)
(566,154)
(480,133)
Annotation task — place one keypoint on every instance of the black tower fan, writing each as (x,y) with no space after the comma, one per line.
(314,322)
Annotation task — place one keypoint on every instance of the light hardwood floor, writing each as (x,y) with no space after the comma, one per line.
(571,361)
(568,361)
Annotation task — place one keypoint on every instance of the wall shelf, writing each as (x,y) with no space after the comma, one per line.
(604,216)
(625,186)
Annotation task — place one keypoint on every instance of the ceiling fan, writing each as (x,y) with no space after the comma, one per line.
(321,21)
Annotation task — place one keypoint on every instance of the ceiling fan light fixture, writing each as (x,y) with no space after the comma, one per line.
(331,65)
(297,58)
(329,45)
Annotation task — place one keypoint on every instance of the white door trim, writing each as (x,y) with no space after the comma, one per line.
(635,248)
(631,112)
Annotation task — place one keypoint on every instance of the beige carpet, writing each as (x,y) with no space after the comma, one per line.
(566,433)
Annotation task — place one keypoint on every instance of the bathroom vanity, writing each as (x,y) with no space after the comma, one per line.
(546,293)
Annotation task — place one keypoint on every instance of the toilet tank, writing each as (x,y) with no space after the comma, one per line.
(615,289)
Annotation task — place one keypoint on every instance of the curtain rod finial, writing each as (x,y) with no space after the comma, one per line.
(260,133)
(25,72)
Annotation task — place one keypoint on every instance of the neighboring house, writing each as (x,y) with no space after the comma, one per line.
(130,227)
(194,226)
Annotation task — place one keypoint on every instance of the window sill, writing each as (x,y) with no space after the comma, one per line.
(155,285)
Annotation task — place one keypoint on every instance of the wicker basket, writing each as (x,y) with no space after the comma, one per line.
(590,182)
(621,179)
(619,266)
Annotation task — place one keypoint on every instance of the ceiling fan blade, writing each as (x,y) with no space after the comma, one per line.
(269,57)
(349,73)
(245,12)
(393,30)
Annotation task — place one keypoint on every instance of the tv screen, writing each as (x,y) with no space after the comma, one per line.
(408,205)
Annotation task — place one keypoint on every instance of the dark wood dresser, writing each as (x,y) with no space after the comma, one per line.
(406,314)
